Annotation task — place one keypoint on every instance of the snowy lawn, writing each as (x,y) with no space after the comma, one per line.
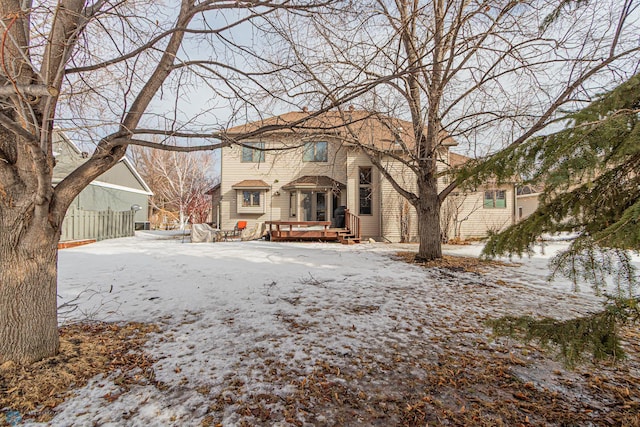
(315,334)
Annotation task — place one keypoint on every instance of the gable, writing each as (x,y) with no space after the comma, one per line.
(68,156)
(123,175)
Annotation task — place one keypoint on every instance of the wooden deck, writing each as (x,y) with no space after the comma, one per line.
(281,231)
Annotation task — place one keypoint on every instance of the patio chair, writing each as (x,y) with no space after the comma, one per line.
(240,225)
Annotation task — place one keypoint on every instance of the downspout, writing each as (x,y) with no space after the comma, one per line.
(515,199)
(380,221)
(220,197)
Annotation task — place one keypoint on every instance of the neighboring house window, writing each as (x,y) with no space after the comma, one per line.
(293,203)
(365,191)
(315,151)
(250,198)
(251,155)
(495,199)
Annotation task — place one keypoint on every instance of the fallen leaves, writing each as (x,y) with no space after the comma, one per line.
(86,349)
(455,263)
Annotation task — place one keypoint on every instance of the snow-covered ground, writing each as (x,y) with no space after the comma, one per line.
(229,310)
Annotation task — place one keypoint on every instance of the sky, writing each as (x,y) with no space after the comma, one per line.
(206,103)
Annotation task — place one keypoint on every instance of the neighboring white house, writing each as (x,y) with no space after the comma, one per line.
(309,171)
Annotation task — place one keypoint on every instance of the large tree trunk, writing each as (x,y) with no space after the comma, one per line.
(28,297)
(428,211)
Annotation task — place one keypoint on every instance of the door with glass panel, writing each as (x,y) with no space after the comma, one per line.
(314,205)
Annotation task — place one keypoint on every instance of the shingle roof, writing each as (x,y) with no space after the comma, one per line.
(456,159)
(212,190)
(314,181)
(369,128)
(251,183)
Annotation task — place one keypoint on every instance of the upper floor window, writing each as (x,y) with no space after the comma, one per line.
(251,155)
(495,199)
(315,151)
(365,191)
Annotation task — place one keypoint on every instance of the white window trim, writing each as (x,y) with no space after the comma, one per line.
(260,209)
(495,198)
(315,143)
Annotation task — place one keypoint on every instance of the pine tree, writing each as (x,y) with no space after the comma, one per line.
(590,172)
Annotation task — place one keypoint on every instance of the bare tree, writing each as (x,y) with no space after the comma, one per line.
(451,215)
(108,68)
(489,71)
(178,181)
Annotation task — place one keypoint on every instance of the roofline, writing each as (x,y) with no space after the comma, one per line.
(135,173)
(212,189)
(287,131)
(124,159)
(64,136)
(120,187)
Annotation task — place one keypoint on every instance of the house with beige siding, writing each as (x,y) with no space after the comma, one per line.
(304,168)
(527,200)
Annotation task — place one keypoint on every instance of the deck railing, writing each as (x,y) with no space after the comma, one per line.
(352,222)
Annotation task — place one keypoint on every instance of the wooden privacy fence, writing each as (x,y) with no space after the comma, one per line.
(79,224)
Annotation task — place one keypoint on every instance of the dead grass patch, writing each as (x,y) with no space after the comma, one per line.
(86,350)
(455,263)
(462,389)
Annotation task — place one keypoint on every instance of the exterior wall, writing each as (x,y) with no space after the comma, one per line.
(117,189)
(121,175)
(395,208)
(526,205)
(97,198)
(466,217)
(278,169)
(369,224)
(389,208)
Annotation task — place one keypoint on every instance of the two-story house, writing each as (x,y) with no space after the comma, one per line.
(307,168)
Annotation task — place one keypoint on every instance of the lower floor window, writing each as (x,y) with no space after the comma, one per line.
(495,199)
(250,198)
(365,201)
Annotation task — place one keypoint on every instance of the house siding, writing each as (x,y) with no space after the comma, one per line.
(395,207)
(120,174)
(388,207)
(117,189)
(369,224)
(528,203)
(468,218)
(278,169)
(97,198)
